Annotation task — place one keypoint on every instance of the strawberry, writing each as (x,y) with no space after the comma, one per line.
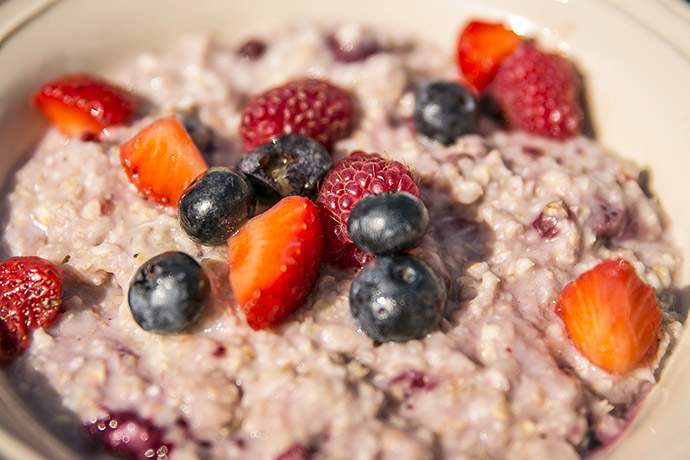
(162,160)
(30,297)
(310,107)
(612,316)
(539,93)
(482,46)
(274,260)
(82,104)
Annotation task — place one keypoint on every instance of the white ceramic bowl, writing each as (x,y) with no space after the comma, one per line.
(634,54)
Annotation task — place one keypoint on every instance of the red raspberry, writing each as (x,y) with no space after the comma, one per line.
(312,108)
(30,297)
(539,93)
(349,181)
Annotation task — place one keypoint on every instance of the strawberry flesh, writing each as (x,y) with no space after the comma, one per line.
(30,297)
(612,316)
(274,260)
(162,160)
(82,104)
(481,48)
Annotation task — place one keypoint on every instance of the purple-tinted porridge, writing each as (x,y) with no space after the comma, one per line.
(513,219)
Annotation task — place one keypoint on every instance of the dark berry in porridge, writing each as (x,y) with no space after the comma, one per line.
(388,223)
(397,298)
(288,165)
(128,436)
(168,293)
(215,205)
(444,111)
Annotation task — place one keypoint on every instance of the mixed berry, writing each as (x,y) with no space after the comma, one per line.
(366,212)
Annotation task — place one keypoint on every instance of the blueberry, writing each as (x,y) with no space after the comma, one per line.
(445,111)
(387,223)
(288,165)
(397,298)
(215,205)
(167,293)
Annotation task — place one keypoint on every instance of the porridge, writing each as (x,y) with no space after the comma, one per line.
(513,217)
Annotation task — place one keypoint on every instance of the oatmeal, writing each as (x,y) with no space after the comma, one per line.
(513,217)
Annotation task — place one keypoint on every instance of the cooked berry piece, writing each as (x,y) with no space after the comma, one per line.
(80,103)
(481,49)
(162,160)
(168,292)
(612,316)
(552,219)
(539,93)
(445,111)
(350,180)
(289,165)
(274,260)
(352,46)
(252,49)
(312,108)
(202,135)
(397,298)
(388,223)
(295,452)
(215,205)
(30,297)
(128,436)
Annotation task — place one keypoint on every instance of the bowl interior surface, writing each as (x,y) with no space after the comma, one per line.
(635,88)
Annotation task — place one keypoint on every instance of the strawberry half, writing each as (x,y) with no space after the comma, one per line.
(30,297)
(481,48)
(612,316)
(274,260)
(162,160)
(83,104)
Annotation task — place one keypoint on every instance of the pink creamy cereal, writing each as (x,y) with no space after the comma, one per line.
(513,218)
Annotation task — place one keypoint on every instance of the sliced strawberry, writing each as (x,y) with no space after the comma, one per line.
(82,104)
(30,297)
(482,47)
(162,160)
(612,316)
(274,260)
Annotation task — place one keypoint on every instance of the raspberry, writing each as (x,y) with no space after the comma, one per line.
(312,108)
(30,297)
(539,93)
(349,181)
